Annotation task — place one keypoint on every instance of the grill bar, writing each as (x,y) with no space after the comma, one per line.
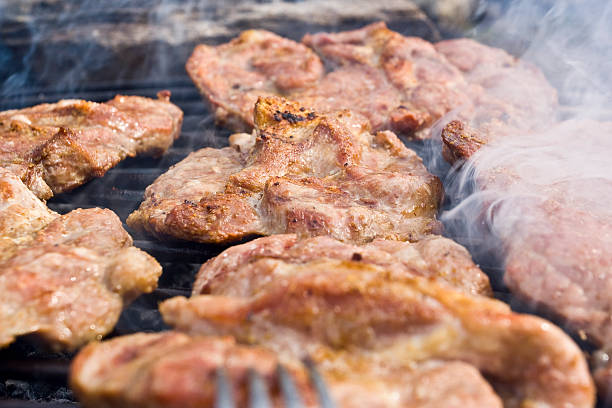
(258,395)
(288,389)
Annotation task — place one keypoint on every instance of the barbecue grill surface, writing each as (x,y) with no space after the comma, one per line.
(30,376)
(49,51)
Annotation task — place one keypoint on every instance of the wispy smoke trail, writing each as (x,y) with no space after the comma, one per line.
(540,201)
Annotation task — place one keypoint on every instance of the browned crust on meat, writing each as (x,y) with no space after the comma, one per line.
(306,173)
(460,141)
(216,219)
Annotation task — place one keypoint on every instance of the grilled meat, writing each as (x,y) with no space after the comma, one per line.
(509,98)
(64,278)
(302,173)
(258,63)
(433,257)
(548,197)
(57,147)
(173,369)
(398,83)
(347,314)
(21,214)
(559,262)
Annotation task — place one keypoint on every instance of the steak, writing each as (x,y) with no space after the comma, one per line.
(57,147)
(433,257)
(174,369)
(349,314)
(300,172)
(398,83)
(64,278)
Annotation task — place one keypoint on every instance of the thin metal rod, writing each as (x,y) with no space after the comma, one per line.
(224,399)
(290,393)
(325,399)
(258,391)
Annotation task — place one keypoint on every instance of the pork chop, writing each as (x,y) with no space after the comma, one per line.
(434,257)
(299,172)
(403,84)
(173,369)
(64,278)
(57,147)
(350,314)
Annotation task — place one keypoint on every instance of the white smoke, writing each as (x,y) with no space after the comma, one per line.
(509,191)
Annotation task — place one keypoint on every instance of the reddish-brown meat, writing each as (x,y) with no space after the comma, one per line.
(404,84)
(434,257)
(301,172)
(57,147)
(548,195)
(64,278)
(347,313)
(177,370)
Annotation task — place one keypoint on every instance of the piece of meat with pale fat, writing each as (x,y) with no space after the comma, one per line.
(398,83)
(434,257)
(346,314)
(57,147)
(173,369)
(304,173)
(64,278)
